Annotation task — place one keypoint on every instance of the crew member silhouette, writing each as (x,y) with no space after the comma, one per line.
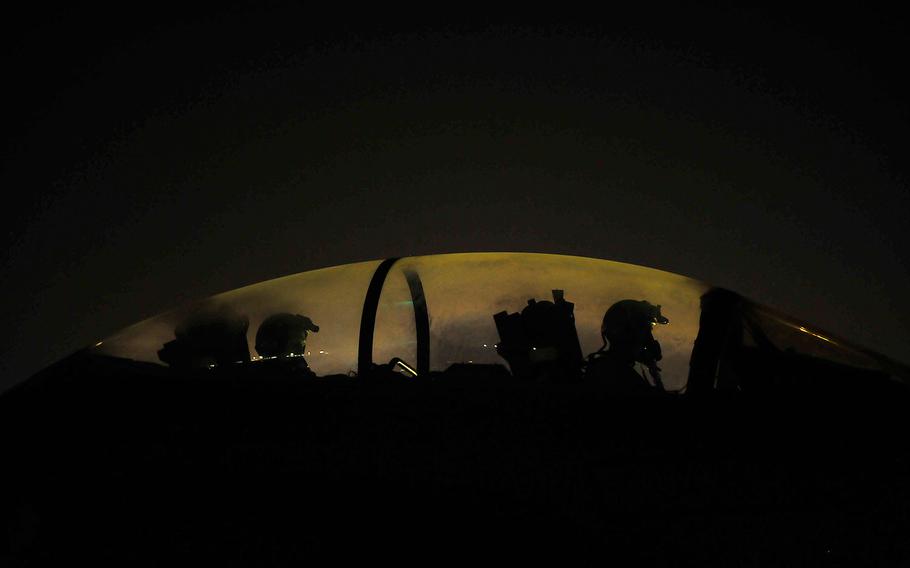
(284,335)
(215,335)
(626,328)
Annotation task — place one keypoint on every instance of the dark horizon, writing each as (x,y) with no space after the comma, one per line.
(163,160)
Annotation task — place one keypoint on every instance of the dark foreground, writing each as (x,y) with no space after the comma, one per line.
(114,462)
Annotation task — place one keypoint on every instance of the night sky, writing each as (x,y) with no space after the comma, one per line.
(152,158)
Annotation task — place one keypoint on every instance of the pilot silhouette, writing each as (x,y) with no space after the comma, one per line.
(284,335)
(626,328)
(213,336)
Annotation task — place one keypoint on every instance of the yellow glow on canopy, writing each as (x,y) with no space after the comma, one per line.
(813,334)
(462,291)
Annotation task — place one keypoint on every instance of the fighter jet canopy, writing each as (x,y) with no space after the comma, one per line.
(440,309)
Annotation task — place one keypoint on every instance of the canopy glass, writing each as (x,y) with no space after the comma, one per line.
(455,297)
